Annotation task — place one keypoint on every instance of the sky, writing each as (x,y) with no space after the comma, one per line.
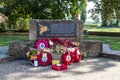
(90,5)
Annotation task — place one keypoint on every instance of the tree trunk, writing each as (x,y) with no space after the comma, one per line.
(104,23)
(117,23)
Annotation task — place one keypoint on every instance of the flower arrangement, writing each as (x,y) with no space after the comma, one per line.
(68,50)
(54,45)
(31,53)
(60,46)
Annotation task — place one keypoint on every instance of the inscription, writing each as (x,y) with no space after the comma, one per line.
(62,30)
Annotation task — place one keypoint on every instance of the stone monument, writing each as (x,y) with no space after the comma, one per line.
(70,29)
(55,28)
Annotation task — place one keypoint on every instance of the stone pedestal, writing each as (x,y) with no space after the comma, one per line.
(18,49)
(64,29)
(92,48)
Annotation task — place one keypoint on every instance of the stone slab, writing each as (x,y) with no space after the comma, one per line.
(55,28)
(109,53)
(4,54)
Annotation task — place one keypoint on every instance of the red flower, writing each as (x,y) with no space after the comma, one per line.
(78,55)
(68,43)
(68,58)
(44,59)
(42,43)
(57,40)
(59,67)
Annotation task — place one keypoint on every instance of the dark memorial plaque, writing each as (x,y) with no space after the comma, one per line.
(63,29)
(52,29)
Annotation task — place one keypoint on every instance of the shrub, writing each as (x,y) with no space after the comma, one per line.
(22,24)
(3,27)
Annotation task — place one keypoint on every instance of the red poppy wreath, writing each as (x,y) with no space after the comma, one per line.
(42,43)
(78,55)
(68,58)
(44,59)
(59,67)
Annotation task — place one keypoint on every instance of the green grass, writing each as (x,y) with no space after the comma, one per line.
(6,38)
(97,28)
(104,29)
(114,42)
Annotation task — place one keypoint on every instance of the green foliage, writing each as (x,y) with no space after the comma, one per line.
(3,26)
(17,10)
(32,52)
(109,10)
(83,12)
(22,24)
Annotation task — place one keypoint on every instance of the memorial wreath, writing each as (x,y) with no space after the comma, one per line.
(44,48)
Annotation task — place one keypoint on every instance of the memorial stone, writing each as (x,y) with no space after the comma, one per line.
(72,29)
(64,29)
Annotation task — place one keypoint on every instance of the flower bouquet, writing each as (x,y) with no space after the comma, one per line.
(32,55)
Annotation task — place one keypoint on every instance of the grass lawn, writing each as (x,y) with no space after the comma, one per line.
(6,38)
(113,41)
(101,29)
(105,29)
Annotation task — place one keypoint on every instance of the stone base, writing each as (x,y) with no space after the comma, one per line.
(6,59)
(18,49)
(111,56)
(109,53)
(91,48)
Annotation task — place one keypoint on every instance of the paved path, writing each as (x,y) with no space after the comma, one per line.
(108,50)
(109,53)
(92,69)
(4,56)
(4,51)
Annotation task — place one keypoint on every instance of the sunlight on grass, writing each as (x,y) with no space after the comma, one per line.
(105,29)
(114,42)
(100,29)
(6,38)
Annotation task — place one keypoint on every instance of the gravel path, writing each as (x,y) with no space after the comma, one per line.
(92,69)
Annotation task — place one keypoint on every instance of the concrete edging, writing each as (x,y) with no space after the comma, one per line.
(109,53)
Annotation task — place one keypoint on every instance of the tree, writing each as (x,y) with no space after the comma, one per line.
(109,10)
(83,12)
(117,11)
(42,9)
